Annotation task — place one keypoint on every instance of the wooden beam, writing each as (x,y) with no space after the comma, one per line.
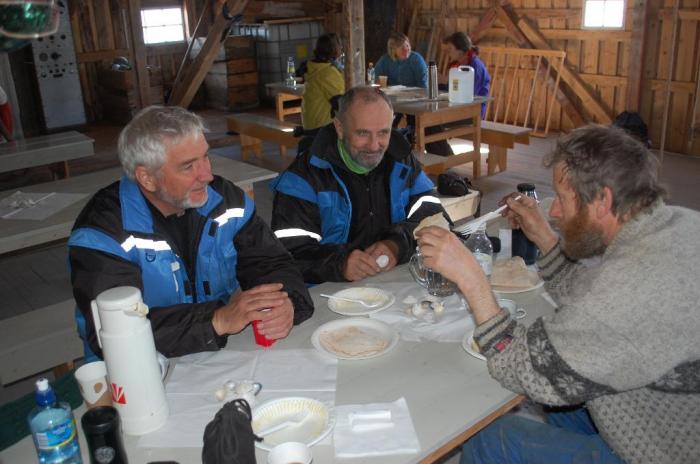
(566,34)
(354,38)
(102,55)
(572,79)
(635,71)
(139,54)
(484,24)
(506,15)
(184,90)
(683,14)
(538,13)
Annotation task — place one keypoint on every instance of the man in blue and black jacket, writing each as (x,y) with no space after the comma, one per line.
(355,196)
(205,263)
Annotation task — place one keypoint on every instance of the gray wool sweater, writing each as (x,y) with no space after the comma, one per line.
(625,340)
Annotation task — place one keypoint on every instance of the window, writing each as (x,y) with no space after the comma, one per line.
(162,25)
(604,14)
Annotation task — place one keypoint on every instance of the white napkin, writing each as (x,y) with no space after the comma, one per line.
(374,434)
(191,388)
(451,325)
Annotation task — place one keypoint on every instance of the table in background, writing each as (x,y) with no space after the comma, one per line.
(285,93)
(45,149)
(16,234)
(450,394)
(464,120)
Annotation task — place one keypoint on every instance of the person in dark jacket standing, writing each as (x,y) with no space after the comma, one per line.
(205,263)
(346,209)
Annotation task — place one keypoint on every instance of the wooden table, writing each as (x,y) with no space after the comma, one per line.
(450,394)
(429,113)
(16,234)
(285,93)
(45,149)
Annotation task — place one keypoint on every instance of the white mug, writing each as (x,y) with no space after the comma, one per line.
(92,380)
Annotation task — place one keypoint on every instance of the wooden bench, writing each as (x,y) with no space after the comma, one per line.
(45,149)
(39,340)
(254,128)
(500,137)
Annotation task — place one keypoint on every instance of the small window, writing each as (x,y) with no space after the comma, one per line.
(162,25)
(604,14)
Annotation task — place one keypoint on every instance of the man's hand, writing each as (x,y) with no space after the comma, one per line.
(360,264)
(277,322)
(524,214)
(445,253)
(245,307)
(387,248)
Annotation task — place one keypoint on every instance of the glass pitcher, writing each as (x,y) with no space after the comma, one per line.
(432,281)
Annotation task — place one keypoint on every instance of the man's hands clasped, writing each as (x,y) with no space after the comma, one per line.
(266,303)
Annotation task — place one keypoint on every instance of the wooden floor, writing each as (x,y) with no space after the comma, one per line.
(39,277)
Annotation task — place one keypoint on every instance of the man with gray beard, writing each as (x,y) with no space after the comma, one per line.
(346,209)
(206,264)
(619,359)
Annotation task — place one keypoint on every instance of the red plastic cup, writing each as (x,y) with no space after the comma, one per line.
(261,339)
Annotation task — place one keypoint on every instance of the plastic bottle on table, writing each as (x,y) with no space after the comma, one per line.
(482,249)
(291,70)
(520,244)
(371,76)
(53,428)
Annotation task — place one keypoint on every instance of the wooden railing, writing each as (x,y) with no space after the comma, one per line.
(524,83)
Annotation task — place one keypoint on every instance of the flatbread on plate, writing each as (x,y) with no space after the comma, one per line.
(353,342)
(511,273)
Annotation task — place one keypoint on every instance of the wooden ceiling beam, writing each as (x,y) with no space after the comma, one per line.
(184,90)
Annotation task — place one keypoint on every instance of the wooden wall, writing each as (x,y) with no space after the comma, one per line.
(604,59)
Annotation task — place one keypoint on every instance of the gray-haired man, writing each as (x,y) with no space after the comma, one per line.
(623,342)
(205,262)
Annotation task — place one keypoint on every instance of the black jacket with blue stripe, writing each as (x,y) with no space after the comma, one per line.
(119,240)
(322,211)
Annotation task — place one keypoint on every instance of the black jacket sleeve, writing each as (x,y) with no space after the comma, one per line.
(262,259)
(177,330)
(402,233)
(318,262)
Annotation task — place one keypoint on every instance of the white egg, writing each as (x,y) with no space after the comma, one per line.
(382,261)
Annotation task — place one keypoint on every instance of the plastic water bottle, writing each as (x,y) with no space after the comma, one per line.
(291,71)
(371,76)
(53,428)
(482,249)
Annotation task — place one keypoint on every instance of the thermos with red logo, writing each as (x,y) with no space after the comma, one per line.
(125,336)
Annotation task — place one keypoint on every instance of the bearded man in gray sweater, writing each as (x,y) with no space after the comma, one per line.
(621,353)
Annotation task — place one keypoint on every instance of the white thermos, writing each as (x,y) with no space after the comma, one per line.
(125,336)
(461,84)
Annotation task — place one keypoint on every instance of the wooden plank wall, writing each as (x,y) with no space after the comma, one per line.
(602,57)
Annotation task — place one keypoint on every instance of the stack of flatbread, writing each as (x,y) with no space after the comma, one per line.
(512,273)
(434,220)
(353,342)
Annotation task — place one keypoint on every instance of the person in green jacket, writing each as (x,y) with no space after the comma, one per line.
(322,81)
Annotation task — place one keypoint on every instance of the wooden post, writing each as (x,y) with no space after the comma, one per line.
(143,87)
(183,93)
(669,78)
(354,40)
(637,51)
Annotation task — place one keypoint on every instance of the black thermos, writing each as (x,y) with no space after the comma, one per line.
(521,245)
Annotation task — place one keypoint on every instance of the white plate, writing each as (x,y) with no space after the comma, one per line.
(534,277)
(317,424)
(369,295)
(361,326)
(467,345)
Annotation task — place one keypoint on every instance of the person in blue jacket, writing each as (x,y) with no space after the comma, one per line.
(355,196)
(401,65)
(206,264)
